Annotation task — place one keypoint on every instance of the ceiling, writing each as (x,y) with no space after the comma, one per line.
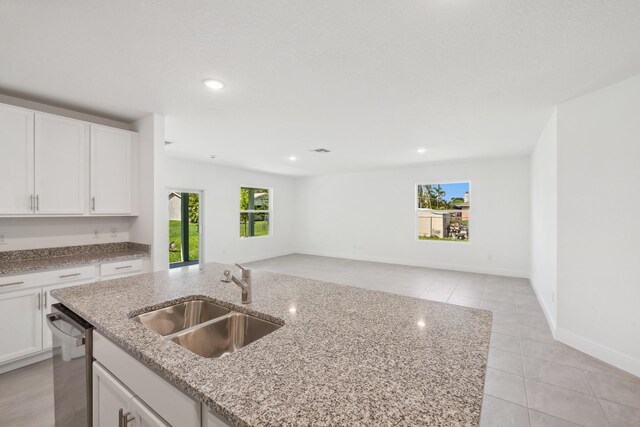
(370,80)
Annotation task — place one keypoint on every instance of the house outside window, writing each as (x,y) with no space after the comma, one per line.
(255,211)
(442,211)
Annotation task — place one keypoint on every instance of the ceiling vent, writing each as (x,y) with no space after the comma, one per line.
(321,150)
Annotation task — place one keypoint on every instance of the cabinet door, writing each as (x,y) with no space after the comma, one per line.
(20,323)
(111,173)
(60,147)
(145,417)
(109,397)
(16,160)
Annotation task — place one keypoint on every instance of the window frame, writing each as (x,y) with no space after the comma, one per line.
(418,210)
(269,212)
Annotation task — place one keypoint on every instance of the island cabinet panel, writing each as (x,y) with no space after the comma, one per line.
(20,323)
(169,403)
(16,161)
(109,398)
(144,416)
(60,165)
(212,420)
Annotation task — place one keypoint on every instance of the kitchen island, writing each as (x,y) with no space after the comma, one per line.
(344,356)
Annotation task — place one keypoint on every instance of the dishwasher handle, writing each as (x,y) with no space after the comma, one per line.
(77,341)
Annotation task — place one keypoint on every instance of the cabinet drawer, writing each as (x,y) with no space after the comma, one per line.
(122,267)
(70,275)
(10,283)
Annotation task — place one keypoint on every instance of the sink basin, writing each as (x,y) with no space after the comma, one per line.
(169,320)
(224,336)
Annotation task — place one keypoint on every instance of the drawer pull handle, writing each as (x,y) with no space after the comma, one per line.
(64,276)
(123,267)
(12,284)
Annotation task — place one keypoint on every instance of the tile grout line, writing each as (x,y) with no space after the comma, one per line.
(524,384)
(606,417)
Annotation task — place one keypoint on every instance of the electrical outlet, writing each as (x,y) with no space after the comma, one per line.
(3,238)
(114,231)
(96,234)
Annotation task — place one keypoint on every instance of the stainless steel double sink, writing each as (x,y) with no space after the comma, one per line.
(205,328)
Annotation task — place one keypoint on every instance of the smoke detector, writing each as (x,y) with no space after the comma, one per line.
(321,150)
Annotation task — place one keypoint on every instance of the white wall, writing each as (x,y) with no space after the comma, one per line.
(221,209)
(544,218)
(150,225)
(598,231)
(371,216)
(36,233)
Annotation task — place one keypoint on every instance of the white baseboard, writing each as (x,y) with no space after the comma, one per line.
(551,320)
(427,264)
(612,357)
(263,256)
(25,361)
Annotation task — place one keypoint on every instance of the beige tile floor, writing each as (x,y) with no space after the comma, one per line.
(26,396)
(532,380)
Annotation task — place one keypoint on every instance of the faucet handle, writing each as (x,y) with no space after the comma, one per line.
(244,270)
(226,276)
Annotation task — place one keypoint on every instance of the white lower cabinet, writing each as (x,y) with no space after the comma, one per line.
(159,402)
(122,382)
(25,301)
(144,416)
(20,323)
(115,405)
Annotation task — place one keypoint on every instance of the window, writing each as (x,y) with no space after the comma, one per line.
(442,211)
(255,211)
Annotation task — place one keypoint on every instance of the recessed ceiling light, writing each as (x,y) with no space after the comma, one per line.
(213,84)
(422,150)
(292,158)
(421,323)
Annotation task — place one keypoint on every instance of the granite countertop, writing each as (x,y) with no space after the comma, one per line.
(344,357)
(34,260)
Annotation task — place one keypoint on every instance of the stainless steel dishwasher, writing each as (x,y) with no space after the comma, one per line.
(72,359)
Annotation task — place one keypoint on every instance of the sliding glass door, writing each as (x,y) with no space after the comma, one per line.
(184,229)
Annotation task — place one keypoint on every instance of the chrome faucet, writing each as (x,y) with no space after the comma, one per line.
(244,282)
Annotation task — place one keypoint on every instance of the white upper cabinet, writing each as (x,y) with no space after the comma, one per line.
(57,166)
(60,165)
(111,170)
(16,161)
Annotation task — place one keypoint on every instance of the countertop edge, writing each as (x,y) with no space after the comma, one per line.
(98,259)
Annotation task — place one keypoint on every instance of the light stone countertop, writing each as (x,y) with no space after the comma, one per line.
(35,260)
(346,357)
